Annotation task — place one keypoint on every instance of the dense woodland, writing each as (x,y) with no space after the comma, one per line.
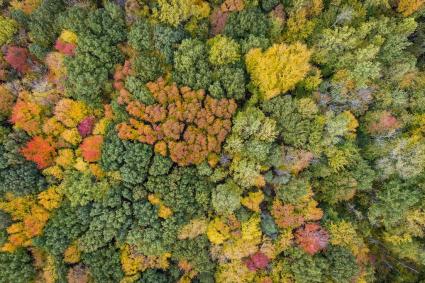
(265,141)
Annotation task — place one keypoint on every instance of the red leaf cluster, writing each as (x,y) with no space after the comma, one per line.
(384,123)
(39,150)
(218,21)
(312,238)
(65,47)
(85,127)
(17,58)
(257,261)
(191,124)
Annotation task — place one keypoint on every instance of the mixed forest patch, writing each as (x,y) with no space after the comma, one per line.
(264,141)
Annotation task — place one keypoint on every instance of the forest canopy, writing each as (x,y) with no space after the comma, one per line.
(228,141)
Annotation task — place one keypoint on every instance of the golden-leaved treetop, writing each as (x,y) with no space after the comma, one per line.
(279,68)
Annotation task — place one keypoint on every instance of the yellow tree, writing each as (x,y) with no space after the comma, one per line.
(279,68)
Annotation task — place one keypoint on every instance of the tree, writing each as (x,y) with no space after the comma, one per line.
(39,150)
(176,11)
(81,188)
(191,64)
(187,124)
(298,121)
(104,264)
(223,50)
(16,267)
(343,266)
(9,29)
(279,68)
(96,55)
(312,238)
(90,148)
(245,23)
(17,57)
(226,198)
(408,7)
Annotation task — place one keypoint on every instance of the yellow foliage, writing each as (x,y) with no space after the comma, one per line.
(298,26)
(218,231)
(174,12)
(81,165)
(53,127)
(133,262)
(65,158)
(154,199)
(415,222)
(17,207)
(100,127)
(284,240)
(193,229)
(57,71)
(310,211)
(279,68)
(50,199)
(234,272)
(353,124)
(251,229)
(408,7)
(70,112)
(29,218)
(26,6)
(253,200)
(68,36)
(71,136)
(72,254)
(96,170)
(396,239)
(163,211)
(161,148)
(49,270)
(343,234)
(268,248)
(54,171)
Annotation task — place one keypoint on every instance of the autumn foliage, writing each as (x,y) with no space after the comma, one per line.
(312,238)
(17,57)
(188,125)
(39,150)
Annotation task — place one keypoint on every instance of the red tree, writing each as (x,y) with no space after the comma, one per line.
(257,261)
(39,150)
(17,58)
(312,238)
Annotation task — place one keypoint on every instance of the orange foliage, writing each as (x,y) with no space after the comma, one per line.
(26,116)
(30,219)
(408,7)
(232,5)
(41,151)
(72,254)
(27,6)
(285,215)
(312,238)
(90,148)
(188,123)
